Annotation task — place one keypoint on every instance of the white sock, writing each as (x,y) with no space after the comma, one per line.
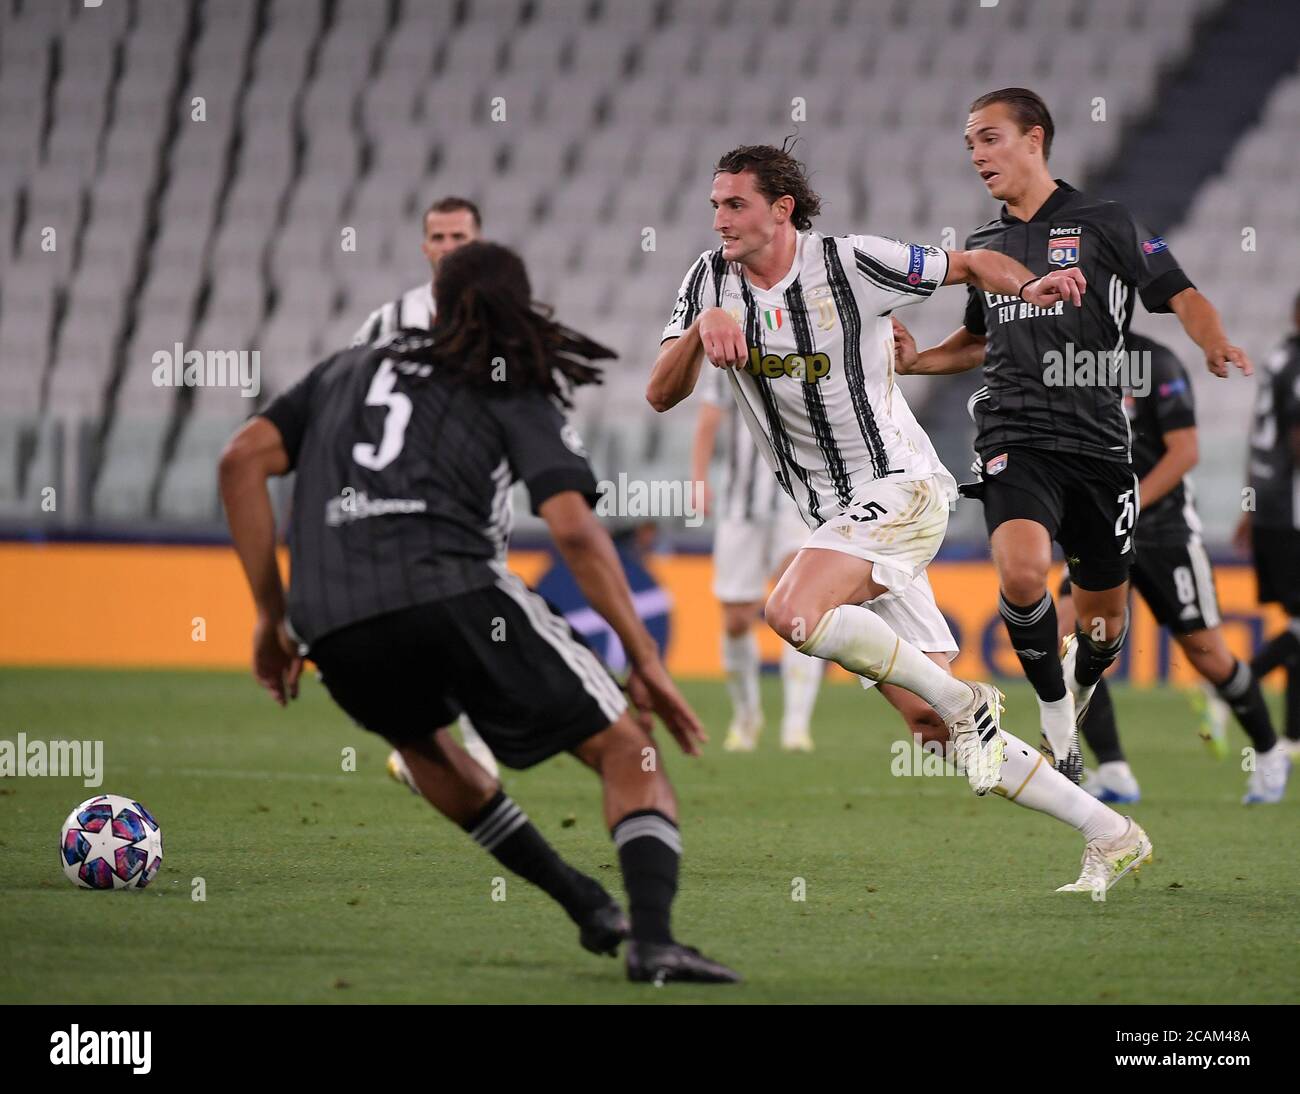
(1028,779)
(1057,721)
(858,639)
(740,659)
(801,677)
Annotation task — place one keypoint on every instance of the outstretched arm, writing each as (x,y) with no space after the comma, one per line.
(1200,320)
(998,273)
(593,560)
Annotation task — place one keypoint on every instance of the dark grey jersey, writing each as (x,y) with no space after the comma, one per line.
(1274,472)
(403,478)
(1047,371)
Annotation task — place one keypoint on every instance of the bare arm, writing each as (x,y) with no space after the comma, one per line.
(252,456)
(677,369)
(1179,458)
(589,553)
(1201,321)
(961,351)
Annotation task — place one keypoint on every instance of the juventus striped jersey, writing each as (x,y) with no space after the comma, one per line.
(748,490)
(402,483)
(1047,384)
(414,308)
(817,392)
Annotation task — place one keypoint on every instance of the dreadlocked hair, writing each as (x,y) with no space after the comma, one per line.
(487,330)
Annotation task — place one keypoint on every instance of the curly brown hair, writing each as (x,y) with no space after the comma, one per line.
(776,173)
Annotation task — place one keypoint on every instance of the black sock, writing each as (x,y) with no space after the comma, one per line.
(1099,728)
(503,830)
(1241,692)
(1293,704)
(1094,658)
(649,848)
(1033,636)
(1281,649)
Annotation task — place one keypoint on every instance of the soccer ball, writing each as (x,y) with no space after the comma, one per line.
(110,842)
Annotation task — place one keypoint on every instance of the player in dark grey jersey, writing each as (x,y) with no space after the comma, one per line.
(1172,574)
(1272,531)
(404,457)
(448,223)
(1052,445)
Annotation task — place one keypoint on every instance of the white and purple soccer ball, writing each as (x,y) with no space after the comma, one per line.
(110,842)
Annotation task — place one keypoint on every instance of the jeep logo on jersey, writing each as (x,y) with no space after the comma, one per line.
(1063,250)
(809,367)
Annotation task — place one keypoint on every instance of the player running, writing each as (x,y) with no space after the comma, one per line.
(1053,439)
(757,534)
(448,223)
(1172,574)
(404,456)
(799,321)
(1272,531)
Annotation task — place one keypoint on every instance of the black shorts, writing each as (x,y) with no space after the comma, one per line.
(499,654)
(1089,506)
(1177,583)
(1277,566)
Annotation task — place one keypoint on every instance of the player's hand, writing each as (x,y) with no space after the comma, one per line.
(276,662)
(651,689)
(724,343)
(905,352)
(1067,284)
(1241,539)
(1221,354)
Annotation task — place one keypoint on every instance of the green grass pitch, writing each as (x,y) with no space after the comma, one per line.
(329,886)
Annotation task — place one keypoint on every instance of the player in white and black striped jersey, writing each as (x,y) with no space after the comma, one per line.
(448,223)
(758,530)
(800,323)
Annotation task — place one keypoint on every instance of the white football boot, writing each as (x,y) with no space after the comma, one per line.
(1266,785)
(1061,744)
(977,738)
(1105,862)
(742,735)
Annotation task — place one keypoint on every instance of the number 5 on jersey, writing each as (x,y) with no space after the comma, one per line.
(381,393)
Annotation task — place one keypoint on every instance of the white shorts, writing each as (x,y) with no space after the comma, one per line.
(899,527)
(747,552)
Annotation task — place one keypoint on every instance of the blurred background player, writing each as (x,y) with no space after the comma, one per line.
(1172,574)
(400,597)
(448,223)
(758,532)
(1053,457)
(1272,531)
(798,321)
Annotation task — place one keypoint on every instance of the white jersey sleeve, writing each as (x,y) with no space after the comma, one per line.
(896,273)
(692,298)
